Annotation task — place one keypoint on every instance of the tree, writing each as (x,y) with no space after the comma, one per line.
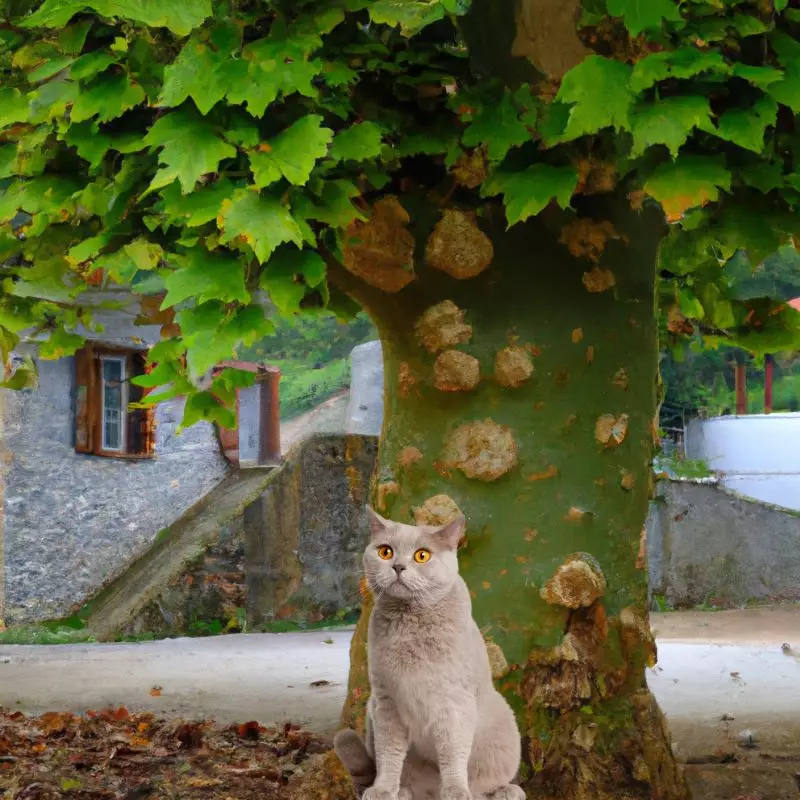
(492,183)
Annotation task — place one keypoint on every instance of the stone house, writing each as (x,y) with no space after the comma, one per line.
(91,481)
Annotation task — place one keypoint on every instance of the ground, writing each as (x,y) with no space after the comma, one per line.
(730,690)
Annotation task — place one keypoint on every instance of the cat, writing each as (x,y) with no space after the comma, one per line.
(437,729)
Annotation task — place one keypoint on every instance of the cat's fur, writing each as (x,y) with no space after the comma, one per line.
(437,729)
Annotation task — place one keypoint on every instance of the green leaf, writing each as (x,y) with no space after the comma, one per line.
(59,344)
(332,207)
(499,127)
(687,182)
(204,71)
(91,64)
(191,149)
(197,208)
(72,39)
(13,107)
(89,141)
(213,334)
(669,121)
(411,15)
(683,63)
(275,67)
(746,127)
(123,264)
(358,142)
(745,25)
(206,276)
(529,192)
(758,76)
(641,15)
(293,153)
(107,98)
(262,221)
(279,278)
(204,406)
(180,16)
(600,95)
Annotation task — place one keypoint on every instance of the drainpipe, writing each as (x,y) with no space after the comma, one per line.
(769,363)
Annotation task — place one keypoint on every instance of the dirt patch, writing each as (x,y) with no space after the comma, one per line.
(114,754)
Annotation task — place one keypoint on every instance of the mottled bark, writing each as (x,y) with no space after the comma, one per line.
(548,456)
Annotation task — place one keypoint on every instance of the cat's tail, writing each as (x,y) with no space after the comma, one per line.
(352,752)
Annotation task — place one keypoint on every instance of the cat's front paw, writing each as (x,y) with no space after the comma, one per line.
(509,792)
(375,793)
(455,793)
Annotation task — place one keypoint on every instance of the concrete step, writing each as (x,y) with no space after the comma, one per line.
(176,546)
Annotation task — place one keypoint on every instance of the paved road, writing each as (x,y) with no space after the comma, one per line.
(303,677)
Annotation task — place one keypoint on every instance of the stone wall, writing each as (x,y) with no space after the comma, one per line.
(293,555)
(709,546)
(73,522)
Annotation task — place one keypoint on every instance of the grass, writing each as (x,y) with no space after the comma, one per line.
(303,388)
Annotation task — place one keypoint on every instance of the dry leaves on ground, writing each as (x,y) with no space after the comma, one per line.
(116,755)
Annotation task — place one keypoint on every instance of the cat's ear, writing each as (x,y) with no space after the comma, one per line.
(450,534)
(377,524)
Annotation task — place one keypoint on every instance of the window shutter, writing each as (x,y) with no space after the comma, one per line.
(141,421)
(85,399)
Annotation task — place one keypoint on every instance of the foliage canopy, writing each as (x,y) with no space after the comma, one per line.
(215,152)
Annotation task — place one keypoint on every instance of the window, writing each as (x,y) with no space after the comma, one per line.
(105,422)
(113,405)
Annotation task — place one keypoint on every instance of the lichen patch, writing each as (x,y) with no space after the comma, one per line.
(598,280)
(577,335)
(455,371)
(437,510)
(458,246)
(483,451)
(380,250)
(577,583)
(585,238)
(387,490)
(611,430)
(497,659)
(471,169)
(627,480)
(409,456)
(513,366)
(442,326)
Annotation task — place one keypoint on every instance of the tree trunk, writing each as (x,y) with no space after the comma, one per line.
(549,457)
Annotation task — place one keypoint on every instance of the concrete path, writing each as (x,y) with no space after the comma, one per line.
(710,692)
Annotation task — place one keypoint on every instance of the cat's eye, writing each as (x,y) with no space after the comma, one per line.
(422,556)
(385,552)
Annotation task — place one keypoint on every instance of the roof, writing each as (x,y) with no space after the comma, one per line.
(795,303)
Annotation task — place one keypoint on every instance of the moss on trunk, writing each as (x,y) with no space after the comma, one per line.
(548,455)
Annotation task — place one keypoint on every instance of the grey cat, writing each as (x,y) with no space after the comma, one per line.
(437,729)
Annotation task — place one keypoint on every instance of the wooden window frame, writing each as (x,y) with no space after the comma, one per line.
(89,384)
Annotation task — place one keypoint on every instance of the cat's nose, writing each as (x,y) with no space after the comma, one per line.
(398,568)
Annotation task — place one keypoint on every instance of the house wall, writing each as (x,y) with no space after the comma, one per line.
(757,455)
(72,522)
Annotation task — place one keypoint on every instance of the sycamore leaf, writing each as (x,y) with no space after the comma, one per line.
(262,222)
(275,66)
(293,153)
(191,149)
(13,107)
(91,143)
(683,63)
(411,15)
(197,208)
(669,121)
(787,91)
(358,142)
(204,71)
(642,15)
(91,64)
(279,278)
(202,406)
(499,127)
(206,276)
(180,16)
(598,89)
(746,127)
(528,192)
(758,76)
(212,334)
(687,182)
(333,206)
(107,98)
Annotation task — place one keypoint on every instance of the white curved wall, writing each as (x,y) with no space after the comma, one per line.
(758,455)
